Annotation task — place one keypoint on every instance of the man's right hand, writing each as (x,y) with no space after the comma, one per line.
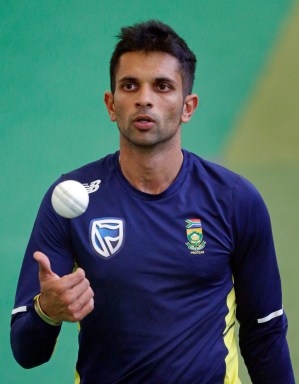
(67,298)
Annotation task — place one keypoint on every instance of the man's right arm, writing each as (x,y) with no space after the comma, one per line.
(63,295)
(67,298)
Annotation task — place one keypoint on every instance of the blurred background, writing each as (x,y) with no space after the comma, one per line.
(53,73)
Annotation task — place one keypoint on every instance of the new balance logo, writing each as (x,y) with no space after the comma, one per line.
(93,186)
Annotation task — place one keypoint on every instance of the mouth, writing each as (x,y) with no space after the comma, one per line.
(144,118)
(143,122)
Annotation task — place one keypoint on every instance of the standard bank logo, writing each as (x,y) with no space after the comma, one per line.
(106,235)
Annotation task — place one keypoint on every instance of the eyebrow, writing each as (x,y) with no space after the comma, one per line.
(127,78)
(156,80)
(165,79)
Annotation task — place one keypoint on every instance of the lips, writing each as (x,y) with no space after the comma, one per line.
(143,122)
(147,118)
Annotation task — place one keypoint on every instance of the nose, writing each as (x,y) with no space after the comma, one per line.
(144,97)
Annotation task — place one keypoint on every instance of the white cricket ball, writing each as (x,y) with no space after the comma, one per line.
(70,199)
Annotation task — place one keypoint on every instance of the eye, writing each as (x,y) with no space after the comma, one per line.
(163,87)
(129,86)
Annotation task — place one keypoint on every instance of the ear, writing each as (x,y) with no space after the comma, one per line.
(190,105)
(109,101)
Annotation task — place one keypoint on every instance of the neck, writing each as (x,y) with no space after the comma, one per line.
(148,171)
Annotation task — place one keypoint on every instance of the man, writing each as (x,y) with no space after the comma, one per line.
(171,249)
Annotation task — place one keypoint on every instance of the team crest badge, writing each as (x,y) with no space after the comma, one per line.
(194,235)
(107,236)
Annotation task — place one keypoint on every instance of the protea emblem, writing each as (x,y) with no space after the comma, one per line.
(107,236)
(194,234)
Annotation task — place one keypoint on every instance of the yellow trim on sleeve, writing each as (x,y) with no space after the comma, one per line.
(77,378)
(231,360)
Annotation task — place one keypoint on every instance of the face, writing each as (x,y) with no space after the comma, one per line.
(148,104)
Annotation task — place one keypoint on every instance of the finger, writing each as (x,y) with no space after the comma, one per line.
(82,287)
(68,308)
(73,279)
(83,312)
(81,300)
(69,292)
(45,271)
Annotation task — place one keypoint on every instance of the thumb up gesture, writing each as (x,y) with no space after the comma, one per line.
(67,298)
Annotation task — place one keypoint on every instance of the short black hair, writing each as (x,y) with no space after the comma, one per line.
(155,36)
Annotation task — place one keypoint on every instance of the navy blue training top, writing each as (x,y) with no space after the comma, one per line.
(170,273)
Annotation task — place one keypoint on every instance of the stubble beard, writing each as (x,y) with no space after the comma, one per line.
(158,136)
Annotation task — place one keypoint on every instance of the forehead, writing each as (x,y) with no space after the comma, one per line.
(148,65)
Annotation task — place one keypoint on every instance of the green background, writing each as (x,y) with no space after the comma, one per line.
(53,73)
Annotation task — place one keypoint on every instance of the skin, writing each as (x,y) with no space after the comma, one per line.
(150,85)
(67,298)
(149,108)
